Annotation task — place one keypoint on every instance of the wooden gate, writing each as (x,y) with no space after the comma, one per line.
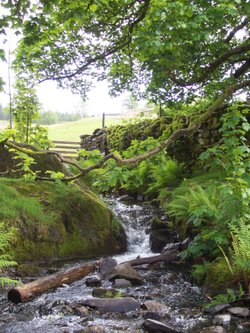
(68,149)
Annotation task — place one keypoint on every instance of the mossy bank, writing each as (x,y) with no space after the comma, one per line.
(58,221)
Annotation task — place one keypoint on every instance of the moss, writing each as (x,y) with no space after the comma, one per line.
(57,221)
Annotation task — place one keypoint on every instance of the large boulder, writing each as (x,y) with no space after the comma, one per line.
(43,162)
(58,221)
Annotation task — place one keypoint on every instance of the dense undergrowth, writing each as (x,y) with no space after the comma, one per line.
(211,205)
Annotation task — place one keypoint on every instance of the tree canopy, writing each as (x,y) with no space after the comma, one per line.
(169,50)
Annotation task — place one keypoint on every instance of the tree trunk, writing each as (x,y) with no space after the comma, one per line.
(168,258)
(29,290)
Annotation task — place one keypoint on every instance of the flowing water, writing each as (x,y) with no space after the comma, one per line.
(55,311)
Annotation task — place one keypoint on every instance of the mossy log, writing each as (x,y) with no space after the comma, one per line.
(28,291)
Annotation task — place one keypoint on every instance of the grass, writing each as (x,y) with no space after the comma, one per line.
(71,131)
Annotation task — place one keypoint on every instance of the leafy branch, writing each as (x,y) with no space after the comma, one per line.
(82,171)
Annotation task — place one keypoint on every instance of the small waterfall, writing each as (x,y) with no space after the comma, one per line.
(136,220)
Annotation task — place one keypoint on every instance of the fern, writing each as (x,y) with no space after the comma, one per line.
(241,249)
(5,258)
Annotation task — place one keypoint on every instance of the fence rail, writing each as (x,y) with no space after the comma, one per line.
(68,149)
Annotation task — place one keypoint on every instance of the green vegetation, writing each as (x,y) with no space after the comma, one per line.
(192,58)
(58,221)
(72,130)
(6,238)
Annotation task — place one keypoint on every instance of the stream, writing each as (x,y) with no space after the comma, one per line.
(59,310)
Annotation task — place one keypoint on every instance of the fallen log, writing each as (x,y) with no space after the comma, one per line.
(30,290)
(168,258)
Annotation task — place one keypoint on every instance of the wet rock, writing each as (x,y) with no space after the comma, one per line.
(106,266)
(106,293)
(154,315)
(156,326)
(93,281)
(28,270)
(119,305)
(81,311)
(213,329)
(213,310)
(154,306)
(159,238)
(122,283)
(95,329)
(157,223)
(171,247)
(126,271)
(243,327)
(222,319)
(126,197)
(239,311)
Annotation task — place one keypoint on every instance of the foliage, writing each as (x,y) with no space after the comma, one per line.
(177,49)
(149,177)
(208,213)
(229,296)
(212,209)
(6,237)
(240,256)
(50,117)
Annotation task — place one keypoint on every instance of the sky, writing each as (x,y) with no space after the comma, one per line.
(61,100)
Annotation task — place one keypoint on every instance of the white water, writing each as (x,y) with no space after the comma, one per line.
(135,220)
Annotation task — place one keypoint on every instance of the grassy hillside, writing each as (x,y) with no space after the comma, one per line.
(71,131)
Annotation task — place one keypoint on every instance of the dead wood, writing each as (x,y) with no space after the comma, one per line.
(32,289)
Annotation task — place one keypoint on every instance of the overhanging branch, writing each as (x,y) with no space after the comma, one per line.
(207,71)
(219,102)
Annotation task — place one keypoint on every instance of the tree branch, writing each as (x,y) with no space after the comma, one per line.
(205,72)
(219,102)
(124,41)
(236,29)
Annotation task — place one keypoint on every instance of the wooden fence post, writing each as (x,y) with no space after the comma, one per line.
(103,120)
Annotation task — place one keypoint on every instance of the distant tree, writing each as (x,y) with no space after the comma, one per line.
(47,118)
(4,113)
(26,108)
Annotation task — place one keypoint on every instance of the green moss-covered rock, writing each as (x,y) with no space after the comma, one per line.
(58,221)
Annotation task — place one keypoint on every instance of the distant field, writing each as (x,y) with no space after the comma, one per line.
(71,131)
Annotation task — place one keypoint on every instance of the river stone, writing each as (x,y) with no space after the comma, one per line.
(171,247)
(81,311)
(213,329)
(156,326)
(239,311)
(93,281)
(213,310)
(119,305)
(159,238)
(106,293)
(28,270)
(126,271)
(157,223)
(243,327)
(154,306)
(95,329)
(222,319)
(122,283)
(106,266)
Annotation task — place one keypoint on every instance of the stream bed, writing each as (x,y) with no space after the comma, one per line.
(60,310)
